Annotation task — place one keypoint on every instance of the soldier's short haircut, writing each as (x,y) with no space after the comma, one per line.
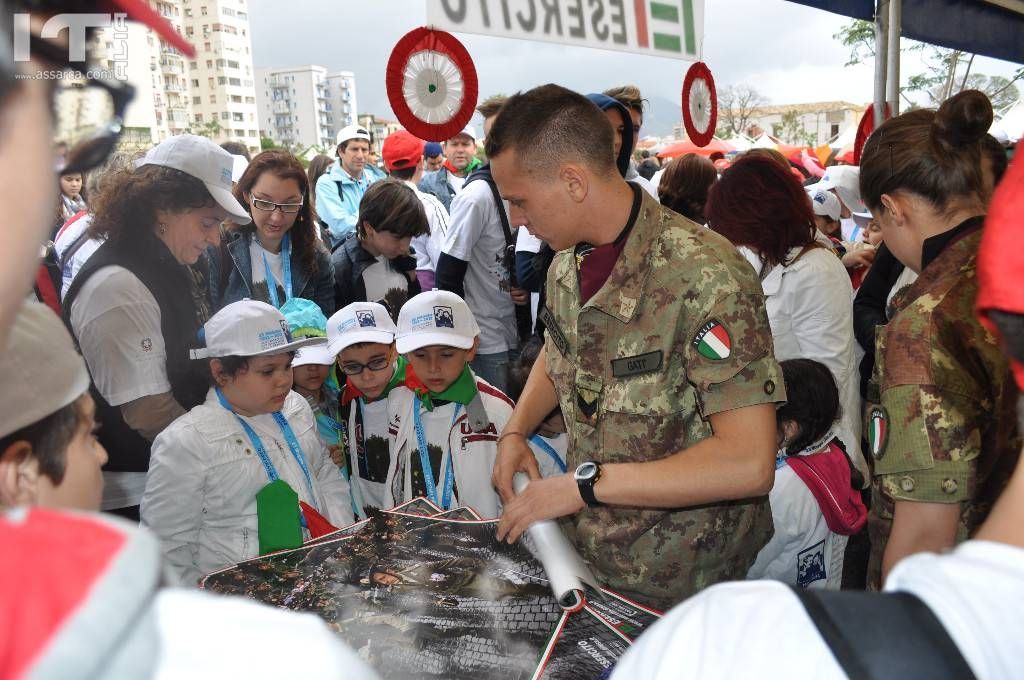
(550,125)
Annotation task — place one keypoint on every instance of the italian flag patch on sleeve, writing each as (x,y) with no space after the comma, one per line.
(712,341)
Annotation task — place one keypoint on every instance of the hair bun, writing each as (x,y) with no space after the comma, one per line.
(963,119)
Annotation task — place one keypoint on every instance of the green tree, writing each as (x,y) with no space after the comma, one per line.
(267,143)
(209,129)
(947,71)
(791,130)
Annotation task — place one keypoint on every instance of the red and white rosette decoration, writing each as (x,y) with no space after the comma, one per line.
(432,84)
(700,104)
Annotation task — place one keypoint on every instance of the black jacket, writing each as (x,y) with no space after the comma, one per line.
(350,260)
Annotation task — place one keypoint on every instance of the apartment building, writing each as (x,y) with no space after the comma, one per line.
(305,106)
(220,78)
(379,128)
(214,94)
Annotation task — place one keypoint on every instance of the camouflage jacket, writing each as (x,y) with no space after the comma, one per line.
(943,429)
(679,331)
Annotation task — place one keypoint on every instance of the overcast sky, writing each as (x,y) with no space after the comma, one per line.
(784,49)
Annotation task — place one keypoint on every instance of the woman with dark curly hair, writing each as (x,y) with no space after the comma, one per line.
(135,306)
(685,184)
(277,256)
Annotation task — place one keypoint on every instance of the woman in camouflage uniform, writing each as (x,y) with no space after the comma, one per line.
(940,419)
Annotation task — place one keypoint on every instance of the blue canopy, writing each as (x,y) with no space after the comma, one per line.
(974,26)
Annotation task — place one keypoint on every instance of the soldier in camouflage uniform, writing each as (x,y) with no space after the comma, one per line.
(668,358)
(940,415)
(942,429)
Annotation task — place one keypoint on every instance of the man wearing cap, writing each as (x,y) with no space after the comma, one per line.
(460,160)
(659,353)
(403,157)
(339,190)
(433,156)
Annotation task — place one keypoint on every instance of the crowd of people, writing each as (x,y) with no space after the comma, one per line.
(710,372)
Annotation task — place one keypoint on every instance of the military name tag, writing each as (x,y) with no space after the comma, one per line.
(641,363)
(554,331)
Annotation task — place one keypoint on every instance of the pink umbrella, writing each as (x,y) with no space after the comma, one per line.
(685,146)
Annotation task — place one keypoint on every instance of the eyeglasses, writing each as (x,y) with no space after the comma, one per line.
(270,206)
(375,365)
(88,111)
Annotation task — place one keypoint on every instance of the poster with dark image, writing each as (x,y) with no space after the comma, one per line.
(583,647)
(417,597)
(467,514)
(627,617)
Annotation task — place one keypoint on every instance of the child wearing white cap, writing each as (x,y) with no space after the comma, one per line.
(362,336)
(445,420)
(244,473)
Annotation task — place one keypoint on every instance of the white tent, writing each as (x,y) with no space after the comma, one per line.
(740,142)
(845,140)
(764,142)
(1010,126)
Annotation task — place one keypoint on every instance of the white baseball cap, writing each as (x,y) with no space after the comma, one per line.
(824,202)
(199,157)
(469,131)
(249,328)
(315,354)
(352,132)
(845,179)
(238,166)
(42,370)
(438,317)
(359,322)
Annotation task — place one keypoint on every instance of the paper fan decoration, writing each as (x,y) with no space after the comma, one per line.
(700,104)
(431,83)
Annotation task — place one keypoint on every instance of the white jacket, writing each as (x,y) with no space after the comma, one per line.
(803,551)
(811,317)
(204,475)
(473,452)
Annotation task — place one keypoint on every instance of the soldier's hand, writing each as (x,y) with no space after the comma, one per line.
(543,499)
(514,455)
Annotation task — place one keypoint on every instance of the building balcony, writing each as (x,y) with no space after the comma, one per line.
(281,106)
(172,66)
(177,116)
(175,87)
(277,82)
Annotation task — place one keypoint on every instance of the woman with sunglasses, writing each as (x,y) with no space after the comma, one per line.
(278,256)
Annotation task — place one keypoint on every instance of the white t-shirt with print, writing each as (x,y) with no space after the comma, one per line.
(428,246)
(476,236)
(386,285)
(117,322)
(369,492)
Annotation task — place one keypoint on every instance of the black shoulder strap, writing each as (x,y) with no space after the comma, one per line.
(484,173)
(884,635)
(70,251)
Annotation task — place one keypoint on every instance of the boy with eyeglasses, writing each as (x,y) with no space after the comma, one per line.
(362,337)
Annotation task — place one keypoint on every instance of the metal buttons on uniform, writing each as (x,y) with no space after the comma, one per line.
(769,387)
(907,484)
(949,486)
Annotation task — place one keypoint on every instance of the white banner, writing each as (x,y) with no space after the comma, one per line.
(666,28)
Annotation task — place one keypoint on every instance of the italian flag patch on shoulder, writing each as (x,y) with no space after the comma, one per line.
(713,341)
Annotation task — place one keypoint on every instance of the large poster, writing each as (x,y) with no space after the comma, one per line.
(439,597)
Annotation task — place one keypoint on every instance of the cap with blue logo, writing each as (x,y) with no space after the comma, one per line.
(199,157)
(437,317)
(359,322)
(249,328)
(824,202)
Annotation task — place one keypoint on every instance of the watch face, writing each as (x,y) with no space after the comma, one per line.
(585,471)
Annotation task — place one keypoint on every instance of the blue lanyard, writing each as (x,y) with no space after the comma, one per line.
(261,451)
(286,273)
(428,472)
(548,449)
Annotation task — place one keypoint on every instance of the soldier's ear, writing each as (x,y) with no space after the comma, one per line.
(575,180)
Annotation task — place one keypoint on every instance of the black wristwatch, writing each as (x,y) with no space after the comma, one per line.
(586,477)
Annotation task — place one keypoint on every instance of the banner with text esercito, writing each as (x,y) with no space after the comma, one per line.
(665,28)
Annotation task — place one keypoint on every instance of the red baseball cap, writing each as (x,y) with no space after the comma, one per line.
(140,11)
(401,150)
